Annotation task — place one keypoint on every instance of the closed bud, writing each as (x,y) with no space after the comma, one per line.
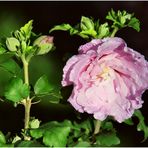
(12,44)
(44,44)
(35,123)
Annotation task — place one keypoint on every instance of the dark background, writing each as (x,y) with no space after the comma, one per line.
(47,14)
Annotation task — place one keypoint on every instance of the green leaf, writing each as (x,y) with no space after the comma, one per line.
(129,121)
(135,24)
(11,66)
(107,125)
(6,145)
(54,133)
(4,57)
(55,95)
(29,144)
(2,49)
(103,30)
(86,23)
(26,29)
(56,137)
(107,139)
(86,125)
(123,19)
(65,27)
(87,33)
(16,90)
(42,86)
(141,125)
(2,138)
(83,144)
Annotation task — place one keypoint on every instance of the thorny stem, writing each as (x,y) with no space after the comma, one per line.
(27,101)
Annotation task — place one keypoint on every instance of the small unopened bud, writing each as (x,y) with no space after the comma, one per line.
(35,123)
(12,44)
(45,44)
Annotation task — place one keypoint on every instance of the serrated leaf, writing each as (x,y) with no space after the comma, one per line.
(16,90)
(56,137)
(107,139)
(54,133)
(141,125)
(111,15)
(26,29)
(135,24)
(123,19)
(42,86)
(2,138)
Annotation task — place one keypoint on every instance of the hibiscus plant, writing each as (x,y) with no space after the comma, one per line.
(107,76)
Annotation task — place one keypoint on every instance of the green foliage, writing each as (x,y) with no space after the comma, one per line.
(123,19)
(2,138)
(16,90)
(83,144)
(107,137)
(6,56)
(87,23)
(11,66)
(3,141)
(32,143)
(103,30)
(90,29)
(134,23)
(141,125)
(65,27)
(53,133)
(26,30)
(42,86)
(2,49)
(56,136)
(129,121)
(86,126)
(86,29)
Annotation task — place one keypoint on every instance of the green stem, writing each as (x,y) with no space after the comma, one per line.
(97,127)
(114,32)
(27,101)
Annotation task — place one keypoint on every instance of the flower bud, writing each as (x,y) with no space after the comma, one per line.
(35,123)
(45,44)
(12,44)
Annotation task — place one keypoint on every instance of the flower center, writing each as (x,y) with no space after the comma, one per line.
(105,74)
